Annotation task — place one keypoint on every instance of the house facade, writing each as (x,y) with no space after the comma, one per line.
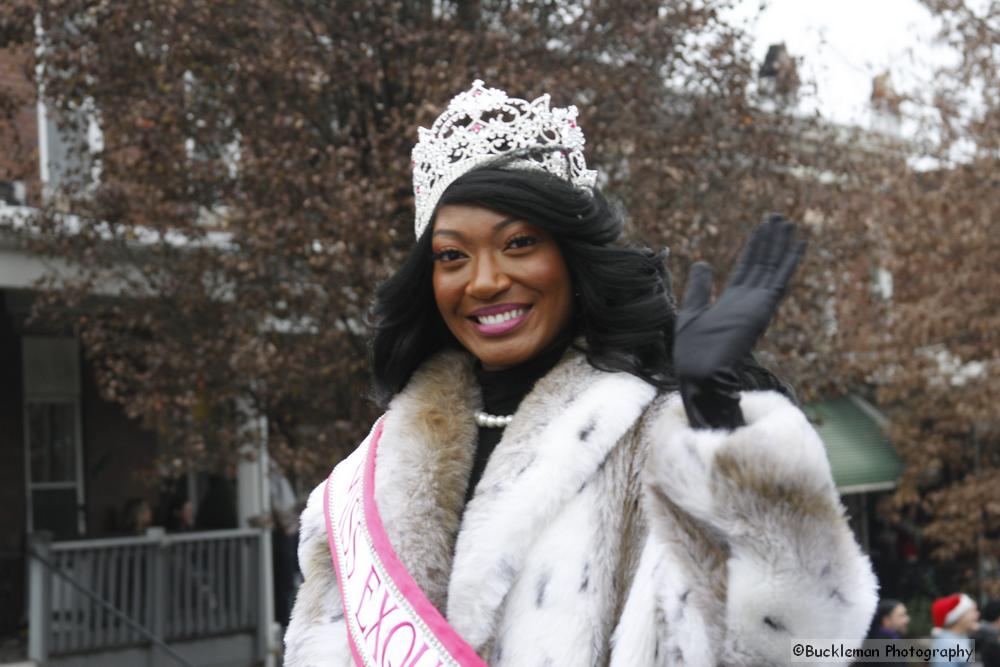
(81,583)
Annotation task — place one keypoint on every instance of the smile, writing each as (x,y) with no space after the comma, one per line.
(501,317)
(497,323)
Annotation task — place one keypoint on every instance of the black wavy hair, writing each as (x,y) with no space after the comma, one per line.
(624,307)
(884,608)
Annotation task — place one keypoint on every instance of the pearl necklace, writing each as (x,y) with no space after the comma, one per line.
(492,421)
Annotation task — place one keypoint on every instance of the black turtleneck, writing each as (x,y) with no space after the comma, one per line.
(502,392)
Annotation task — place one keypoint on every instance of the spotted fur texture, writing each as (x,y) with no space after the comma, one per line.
(316,634)
(604,530)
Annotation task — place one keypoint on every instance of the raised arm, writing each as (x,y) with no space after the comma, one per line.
(710,339)
(748,546)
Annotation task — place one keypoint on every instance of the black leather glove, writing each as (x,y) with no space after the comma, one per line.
(709,340)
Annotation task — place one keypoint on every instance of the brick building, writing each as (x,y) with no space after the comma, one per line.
(18,139)
(70,459)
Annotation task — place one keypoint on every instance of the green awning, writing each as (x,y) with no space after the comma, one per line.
(861,457)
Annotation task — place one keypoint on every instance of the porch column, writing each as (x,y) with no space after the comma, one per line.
(253,492)
(40,597)
(254,511)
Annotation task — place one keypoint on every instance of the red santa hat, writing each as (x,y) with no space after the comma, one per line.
(947,610)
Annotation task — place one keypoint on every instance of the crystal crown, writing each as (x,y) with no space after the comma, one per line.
(484,125)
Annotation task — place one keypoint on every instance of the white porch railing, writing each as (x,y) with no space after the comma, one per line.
(111,594)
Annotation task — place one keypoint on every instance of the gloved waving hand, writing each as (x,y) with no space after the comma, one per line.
(710,339)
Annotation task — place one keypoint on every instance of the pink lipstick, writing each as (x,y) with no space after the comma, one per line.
(500,319)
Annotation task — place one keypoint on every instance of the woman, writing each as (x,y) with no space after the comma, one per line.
(559,477)
(889,623)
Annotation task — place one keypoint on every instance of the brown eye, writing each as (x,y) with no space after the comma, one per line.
(449,255)
(521,241)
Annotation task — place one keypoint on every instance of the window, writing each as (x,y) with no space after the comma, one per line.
(52,436)
(69,134)
(52,441)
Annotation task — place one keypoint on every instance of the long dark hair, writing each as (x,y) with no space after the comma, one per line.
(624,306)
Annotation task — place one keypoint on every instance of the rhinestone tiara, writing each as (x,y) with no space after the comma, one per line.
(482,126)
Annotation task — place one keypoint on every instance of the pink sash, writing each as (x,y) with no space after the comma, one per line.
(389,619)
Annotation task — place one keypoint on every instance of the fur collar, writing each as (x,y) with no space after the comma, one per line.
(422,469)
(562,433)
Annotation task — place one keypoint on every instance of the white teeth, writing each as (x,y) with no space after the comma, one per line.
(500,317)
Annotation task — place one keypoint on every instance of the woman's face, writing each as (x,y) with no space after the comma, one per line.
(501,284)
(898,619)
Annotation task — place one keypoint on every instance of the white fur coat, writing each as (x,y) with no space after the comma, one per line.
(604,530)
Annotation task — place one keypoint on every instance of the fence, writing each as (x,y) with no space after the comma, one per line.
(89,595)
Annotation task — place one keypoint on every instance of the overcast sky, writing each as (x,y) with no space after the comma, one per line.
(842,44)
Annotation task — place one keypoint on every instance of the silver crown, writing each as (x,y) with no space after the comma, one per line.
(484,125)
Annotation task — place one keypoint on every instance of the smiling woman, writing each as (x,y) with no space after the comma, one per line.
(568,471)
(501,285)
(621,303)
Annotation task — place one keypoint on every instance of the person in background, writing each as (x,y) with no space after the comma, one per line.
(987,636)
(955,616)
(285,508)
(137,516)
(890,622)
(181,518)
